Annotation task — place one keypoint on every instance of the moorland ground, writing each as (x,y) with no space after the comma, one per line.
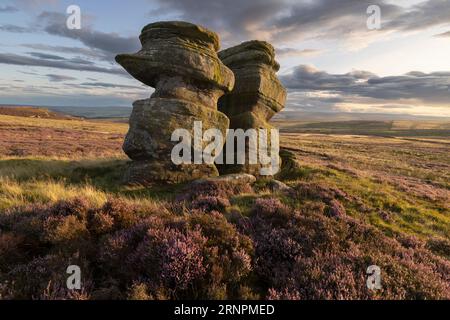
(361,193)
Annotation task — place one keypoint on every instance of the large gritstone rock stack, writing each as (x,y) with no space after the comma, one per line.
(257,95)
(180,61)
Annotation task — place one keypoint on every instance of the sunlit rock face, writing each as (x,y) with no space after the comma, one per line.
(257,95)
(180,61)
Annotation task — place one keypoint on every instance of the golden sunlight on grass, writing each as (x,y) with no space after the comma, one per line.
(13,193)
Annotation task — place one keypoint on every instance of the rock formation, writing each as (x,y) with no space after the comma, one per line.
(257,95)
(180,61)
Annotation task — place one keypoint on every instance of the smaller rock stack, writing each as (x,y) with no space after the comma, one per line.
(180,61)
(257,95)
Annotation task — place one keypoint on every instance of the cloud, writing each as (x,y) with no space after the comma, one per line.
(33,96)
(14,59)
(306,77)
(292,52)
(423,15)
(111,85)
(100,47)
(59,78)
(92,53)
(282,22)
(444,35)
(46,56)
(15,29)
(34,4)
(8,9)
(235,20)
(287,21)
(30,73)
(328,18)
(54,23)
(311,86)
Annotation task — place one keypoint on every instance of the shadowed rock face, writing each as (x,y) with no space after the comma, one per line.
(257,95)
(180,61)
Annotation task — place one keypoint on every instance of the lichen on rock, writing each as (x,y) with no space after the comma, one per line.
(180,61)
(257,95)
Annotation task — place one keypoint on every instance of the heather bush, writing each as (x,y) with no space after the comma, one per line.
(283,294)
(123,213)
(60,227)
(275,251)
(409,241)
(210,203)
(39,242)
(196,255)
(332,275)
(229,255)
(77,207)
(269,206)
(26,221)
(10,250)
(238,219)
(44,278)
(169,258)
(440,246)
(273,210)
(100,223)
(312,256)
(220,189)
(138,291)
(318,192)
(336,209)
(180,255)
(68,234)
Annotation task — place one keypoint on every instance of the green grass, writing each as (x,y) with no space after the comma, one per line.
(370,170)
(408,213)
(32,180)
(13,193)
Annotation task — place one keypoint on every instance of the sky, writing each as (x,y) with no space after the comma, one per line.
(330,60)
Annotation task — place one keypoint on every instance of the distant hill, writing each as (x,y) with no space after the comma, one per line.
(350,116)
(33,112)
(83,112)
(392,128)
(123,113)
(96,112)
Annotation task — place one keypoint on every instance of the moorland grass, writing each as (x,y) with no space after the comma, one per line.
(352,202)
(81,125)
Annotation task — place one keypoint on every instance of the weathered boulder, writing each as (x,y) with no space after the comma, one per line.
(230,179)
(180,61)
(222,187)
(257,95)
(278,186)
